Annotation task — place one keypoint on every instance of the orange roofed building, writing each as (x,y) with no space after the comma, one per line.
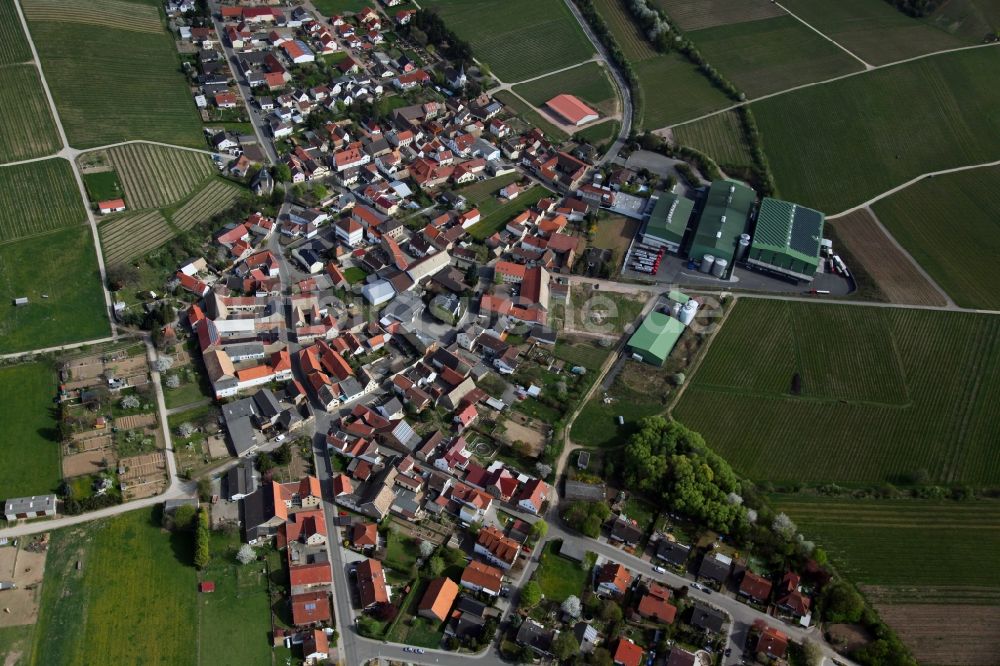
(571,110)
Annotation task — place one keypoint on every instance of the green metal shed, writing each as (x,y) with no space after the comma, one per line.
(724,218)
(655,338)
(787,240)
(668,221)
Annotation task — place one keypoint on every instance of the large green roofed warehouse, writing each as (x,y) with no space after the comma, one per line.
(668,222)
(787,240)
(724,219)
(655,338)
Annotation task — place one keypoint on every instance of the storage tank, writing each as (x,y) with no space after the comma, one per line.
(706,263)
(688,312)
(743,248)
(719,269)
(676,310)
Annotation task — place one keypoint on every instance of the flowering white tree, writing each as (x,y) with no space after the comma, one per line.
(246,554)
(185,430)
(426,548)
(543,469)
(173,381)
(784,527)
(164,363)
(129,402)
(572,606)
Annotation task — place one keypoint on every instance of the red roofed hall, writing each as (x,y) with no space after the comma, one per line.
(571,109)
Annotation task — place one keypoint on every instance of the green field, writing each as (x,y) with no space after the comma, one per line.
(627,33)
(885,394)
(13,45)
(762,57)
(967,19)
(720,137)
(334,7)
(962,207)
(496,215)
(837,145)
(588,355)
(63,266)
(38,197)
(132,601)
(155,176)
(588,82)
(29,452)
(529,115)
(27,129)
(874,30)
(214,198)
(114,72)
(674,90)
(697,14)
(601,134)
(912,550)
(559,577)
(103,185)
(518,39)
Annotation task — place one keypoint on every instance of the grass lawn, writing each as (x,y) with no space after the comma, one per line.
(334,7)
(674,90)
(401,552)
(27,129)
(184,394)
(531,116)
(876,31)
(38,197)
(234,622)
(615,233)
(29,452)
(355,275)
(132,63)
(557,576)
(75,308)
(641,511)
(720,137)
(496,215)
(762,57)
(103,185)
(588,82)
(597,423)
(965,208)
(604,311)
(518,39)
(858,145)
(414,630)
(602,134)
(135,582)
(587,354)
(885,395)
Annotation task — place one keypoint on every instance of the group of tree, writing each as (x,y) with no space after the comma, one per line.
(279,457)
(426,27)
(667,460)
(587,517)
(653,23)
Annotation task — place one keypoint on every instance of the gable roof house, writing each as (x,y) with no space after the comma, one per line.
(497,548)
(438,599)
(613,579)
(481,577)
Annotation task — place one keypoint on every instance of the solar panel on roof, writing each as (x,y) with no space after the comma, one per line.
(805,231)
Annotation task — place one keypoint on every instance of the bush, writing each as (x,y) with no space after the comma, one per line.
(202,553)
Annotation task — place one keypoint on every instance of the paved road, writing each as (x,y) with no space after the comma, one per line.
(623,90)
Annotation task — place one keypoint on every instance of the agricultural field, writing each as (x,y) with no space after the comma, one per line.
(601,134)
(967,19)
(626,31)
(637,391)
(720,137)
(65,304)
(762,57)
(211,200)
(943,603)
(893,272)
(27,129)
(856,143)
(674,90)
(155,176)
(698,14)
(589,82)
(334,7)
(544,37)
(524,110)
(962,207)
(103,185)
(13,44)
(875,31)
(122,50)
(38,197)
(29,454)
(132,235)
(135,581)
(877,394)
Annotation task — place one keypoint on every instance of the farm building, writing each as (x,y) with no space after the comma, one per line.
(571,109)
(111,206)
(668,222)
(655,338)
(787,240)
(722,222)
(30,507)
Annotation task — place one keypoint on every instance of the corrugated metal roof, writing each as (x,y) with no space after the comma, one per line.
(657,335)
(723,219)
(669,218)
(788,236)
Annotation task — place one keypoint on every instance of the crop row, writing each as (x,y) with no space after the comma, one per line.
(38,197)
(719,136)
(627,33)
(216,197)
(133,235)
(696,14)
(13,45)
(27,129)
(155,176)
(105,13)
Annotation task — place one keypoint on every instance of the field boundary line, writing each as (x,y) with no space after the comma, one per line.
(692,370)
(841,301)
(507,86)
(843,48)
(778,93)
(46,350)
(47,232)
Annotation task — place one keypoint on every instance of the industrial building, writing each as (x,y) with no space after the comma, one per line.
(723,221)
(786,240)
(655,338)
(571,110)
(668,221)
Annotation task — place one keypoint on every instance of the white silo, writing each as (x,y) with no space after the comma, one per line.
(743,248)
(688,312)
(719,269)
(706,263)
(675,310)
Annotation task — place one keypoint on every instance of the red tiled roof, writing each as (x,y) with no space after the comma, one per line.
(627,653)
(439,597)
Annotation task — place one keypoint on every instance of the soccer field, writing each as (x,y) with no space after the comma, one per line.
(848,394)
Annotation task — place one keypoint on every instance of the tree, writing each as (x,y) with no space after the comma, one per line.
(565,645)
(129,402)
(204,489)
(385,612)
(121,275)
(601,657)
(531,594)
(173,381)
(368,626)
(539,529)
(185,430)
(265,463)
(282,173)
(435,566)
(283,454)
(202,554)
(611,612)
(246,554)
(184,516)
(163,363)
(784,527)
(840,602)
(455,557)
(571,606)
(812,652)
(543,469)
(426,548)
